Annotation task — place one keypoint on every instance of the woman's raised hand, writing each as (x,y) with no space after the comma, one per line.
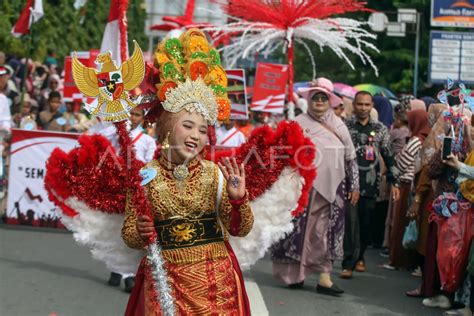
(235,177)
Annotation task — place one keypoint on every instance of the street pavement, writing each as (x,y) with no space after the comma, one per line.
(44,272)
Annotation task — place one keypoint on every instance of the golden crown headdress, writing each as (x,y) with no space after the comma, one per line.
(191,77)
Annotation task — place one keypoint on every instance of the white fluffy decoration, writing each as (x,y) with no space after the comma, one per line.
(291,111)
(272,218)
(302,104)
(341,35)
(101,232)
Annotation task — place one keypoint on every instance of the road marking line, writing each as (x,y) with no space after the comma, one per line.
(257,304)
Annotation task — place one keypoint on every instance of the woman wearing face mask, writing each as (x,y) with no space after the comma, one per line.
(317,239)
(192,225)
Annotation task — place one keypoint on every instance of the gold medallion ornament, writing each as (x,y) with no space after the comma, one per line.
(181,172)
(183,232)
(111,84)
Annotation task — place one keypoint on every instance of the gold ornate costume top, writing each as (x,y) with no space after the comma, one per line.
(193,200)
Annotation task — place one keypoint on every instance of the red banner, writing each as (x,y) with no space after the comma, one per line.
(71,92)
(270,88)
(237,95)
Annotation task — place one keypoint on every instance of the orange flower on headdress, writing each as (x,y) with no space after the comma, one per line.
(223,109)
(197,69)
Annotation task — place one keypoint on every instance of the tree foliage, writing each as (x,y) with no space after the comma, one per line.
(65,29)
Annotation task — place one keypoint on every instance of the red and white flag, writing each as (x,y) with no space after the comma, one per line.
(32,12)
(115,34)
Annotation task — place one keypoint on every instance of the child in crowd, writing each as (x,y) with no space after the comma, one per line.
(52,119)
(400,132)
(75,120)
(27,118)
(143,144)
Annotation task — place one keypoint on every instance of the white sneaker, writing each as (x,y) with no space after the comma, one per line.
(466,311)
(437,301)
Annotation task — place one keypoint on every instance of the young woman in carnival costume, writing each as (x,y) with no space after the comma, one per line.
(181,214)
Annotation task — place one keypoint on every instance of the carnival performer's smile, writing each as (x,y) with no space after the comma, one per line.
(189,136)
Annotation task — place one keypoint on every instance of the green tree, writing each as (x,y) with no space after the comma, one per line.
(65,29)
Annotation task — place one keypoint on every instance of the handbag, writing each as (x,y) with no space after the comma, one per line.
(410,237)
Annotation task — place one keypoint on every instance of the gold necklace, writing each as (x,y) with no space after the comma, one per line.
(191,197)
(181,172)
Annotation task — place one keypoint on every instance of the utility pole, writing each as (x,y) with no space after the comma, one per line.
(417,54)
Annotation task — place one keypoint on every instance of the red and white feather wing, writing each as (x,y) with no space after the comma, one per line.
(272,217)
(279,175)
(88,184)
(263,26)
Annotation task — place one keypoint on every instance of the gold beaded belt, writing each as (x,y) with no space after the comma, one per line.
(186,232)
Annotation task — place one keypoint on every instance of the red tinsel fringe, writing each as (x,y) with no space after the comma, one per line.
(268,152)
(211,133)
(92,172)
(133,179)
(288,13)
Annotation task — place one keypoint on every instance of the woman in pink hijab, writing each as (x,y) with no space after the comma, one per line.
(417,104)
(317,239)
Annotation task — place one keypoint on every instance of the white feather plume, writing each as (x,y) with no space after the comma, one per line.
(341,35)
(272,218)
(101,232)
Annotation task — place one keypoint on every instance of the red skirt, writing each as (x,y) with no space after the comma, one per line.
(209,287)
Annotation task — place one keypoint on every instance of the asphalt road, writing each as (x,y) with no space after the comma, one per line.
(44,272)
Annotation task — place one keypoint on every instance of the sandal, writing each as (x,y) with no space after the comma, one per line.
(414,293)
(388,266)
(417,273)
